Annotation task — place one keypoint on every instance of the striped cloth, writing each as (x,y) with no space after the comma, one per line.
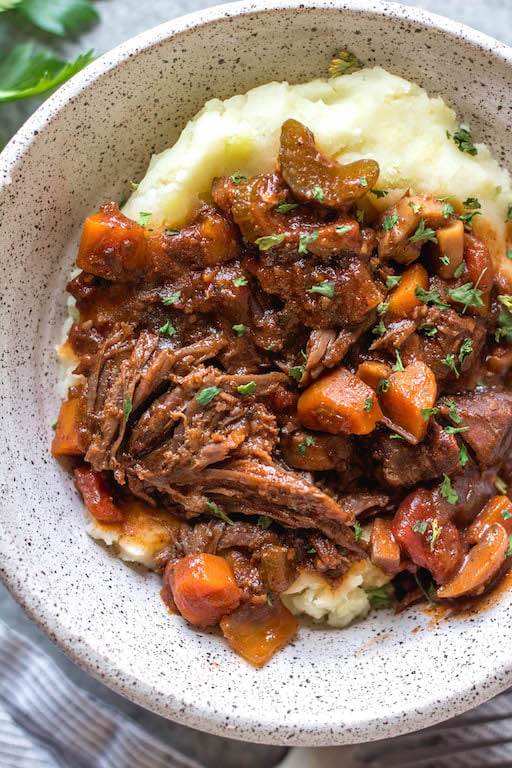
(46,721)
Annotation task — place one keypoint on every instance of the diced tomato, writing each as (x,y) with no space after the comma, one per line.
(97,496)
(257,632)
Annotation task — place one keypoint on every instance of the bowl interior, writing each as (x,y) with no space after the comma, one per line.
(381,677)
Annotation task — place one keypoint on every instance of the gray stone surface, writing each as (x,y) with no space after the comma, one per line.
(121,19)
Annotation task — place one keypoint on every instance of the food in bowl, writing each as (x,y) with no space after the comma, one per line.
(291,353)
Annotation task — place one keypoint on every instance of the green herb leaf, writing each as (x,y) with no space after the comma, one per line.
(358,532)
(429,297)
(368,404)
(447,492)
(508,553)
(8,5)
(452,412)
(423,233)
(207,394)
(24,73)
(237,177)
(420,527)
(143,219)
(382,308)
(379,598)
(379,192)
(389,222)
(428,330)
(264,522)
(318,193)
(308,440)
(134,186)
(53,422)
(384,385)
(398,366)
(379,329)
(360,215)
(172,232)
(445,259)
(296,372)
(449,361)
(460,269)
(60,17)
(506,300)
(127,408)
(269,598)
(454,430)
(311,550)
(392,281)
(246,389)
(468,216)
(325,288)
(363,181)
(463,455)
(306,240)
(167,330)
(464,142)
(217,511)
(343,63)
(466,348)
(240,329)
(448,209)
(508,253)
(471,203)
(426,413)
(168,301)
(270,241)
(285,207)
(468,294)
(506,514)
(343,229)
(509,213)
(416,207)
(504,330)
(239,282)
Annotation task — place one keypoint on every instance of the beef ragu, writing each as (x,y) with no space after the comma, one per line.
(302,382)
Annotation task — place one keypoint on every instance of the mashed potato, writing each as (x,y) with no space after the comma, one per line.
(339,606)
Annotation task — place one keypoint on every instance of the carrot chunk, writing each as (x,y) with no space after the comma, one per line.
(384,551)
(402,300)
(66,441)
(204,589)
(339,402)
(257,632)
(371,372)
(97,497)
(497,510)
(410,392)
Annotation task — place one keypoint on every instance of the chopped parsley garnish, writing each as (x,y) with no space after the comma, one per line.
(318,193)
(305,240)
(392,281)
(463,455)
(423,233)
(379,329)
(54,423)
(368,404)
(237,177)
(466,348)
(506,514)
(360,215)
(207,394)
(468,216)
(325,288)
(344,62)
(508,252)
(506,300)
(363,181)
(134,186)
(382,308)
(270,241)
(508,553)
(168,301)
(384,385)
(509,213)
(379,192)
(217,511)
(127,408)
(285,207)
(416,207)
(296,372)
(420,527)
(454,430)
(429,297)
(447,492)
(396,436)
(308,440)
(428,330)
(269,598)
(240,329)
(239,282)
(379,598)
(264,522)
(343,229)
(358,532)
(426,413)
(460,269)
(468,294)
(246,389)
(471,203)
(445,259)
(167,329)
(398,366)
(449,361)
(464,142)
(172,232)
(504,330)
(389,222)
(144,218)
(452,411)
(448,209)
(311,550)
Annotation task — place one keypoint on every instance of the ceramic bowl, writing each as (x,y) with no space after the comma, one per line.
(385,676)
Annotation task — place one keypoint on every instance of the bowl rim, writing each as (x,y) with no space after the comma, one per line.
(204,717)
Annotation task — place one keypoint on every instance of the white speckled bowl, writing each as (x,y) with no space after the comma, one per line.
(375,679)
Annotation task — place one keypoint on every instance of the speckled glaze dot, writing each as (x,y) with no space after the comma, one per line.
(80,149)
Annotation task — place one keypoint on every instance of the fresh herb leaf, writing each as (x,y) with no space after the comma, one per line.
(360,215)
(504,330)
(463,455)
(508,553)
(379,192)
(264,522)
(343,63)
(468,294)
(308,440)
(358,532)
(420,527)
(343,229)
(416,207)
(363,181)
(239,282)
(445,259)
(429,297)
(318,193)
(134,186)
(392,281)
(468,216)
(285,207)
(172,231)
(127,408)
(237,177)
(217,511)
(207,394)
(471,203)
(423,233)
(466,348)
(398,366)
(396,436)
(54,423)
(464,142)
(509,213)
(269,598)
(506,514)
(379,329)
(460,269)
(506,300)
(270,241)
(8,5)
(448,209)
(389,222)
(452,411)
(428,330)
(384,385)
(325,288)
(306,240)
(167,330)
(508,252)
(24,73)
(144,217)
(311,550)
(454,430)
(246,389)
(449,361)
(296,372)
(426,413)
(368,404)
(379,598)
(240,329)
(168,301)
(60,17)
(447,492)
